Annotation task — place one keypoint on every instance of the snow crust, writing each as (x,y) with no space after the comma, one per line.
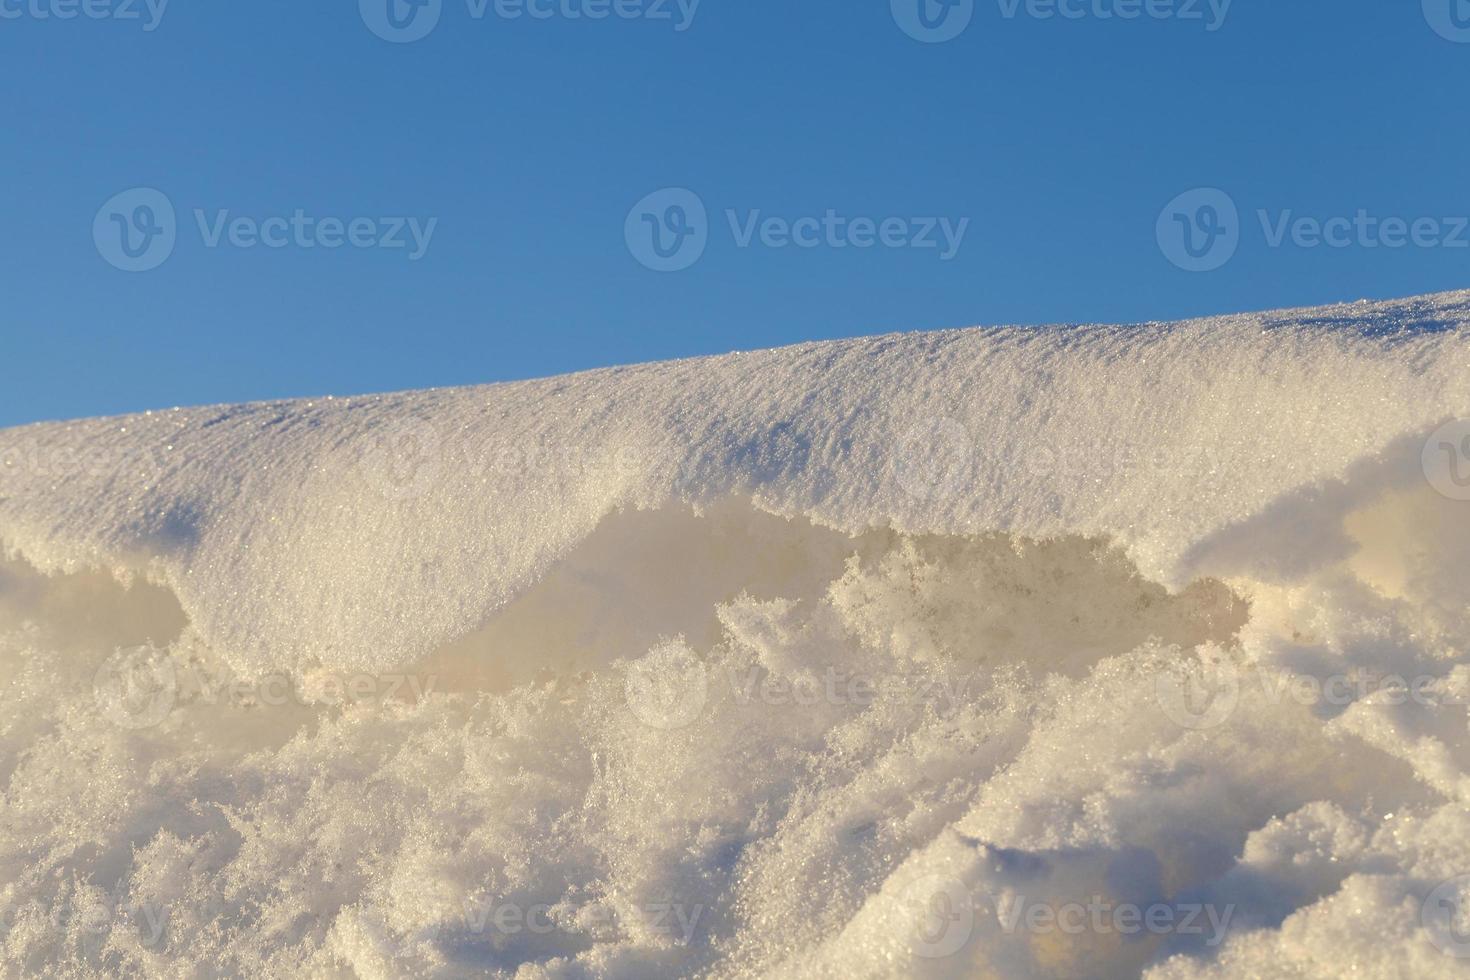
(833,660)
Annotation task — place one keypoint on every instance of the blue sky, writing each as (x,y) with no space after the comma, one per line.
(532,152)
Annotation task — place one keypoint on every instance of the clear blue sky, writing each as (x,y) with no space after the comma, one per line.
(530,140)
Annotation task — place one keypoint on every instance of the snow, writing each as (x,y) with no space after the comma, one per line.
(894,656)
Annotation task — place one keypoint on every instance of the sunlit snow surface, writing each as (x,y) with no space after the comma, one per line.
(1062,652)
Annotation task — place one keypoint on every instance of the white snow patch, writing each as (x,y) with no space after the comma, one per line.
(1065,652)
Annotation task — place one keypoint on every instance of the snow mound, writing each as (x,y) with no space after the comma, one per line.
(1082,651)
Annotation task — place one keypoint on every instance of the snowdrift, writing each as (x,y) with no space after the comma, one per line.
(1081,651)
